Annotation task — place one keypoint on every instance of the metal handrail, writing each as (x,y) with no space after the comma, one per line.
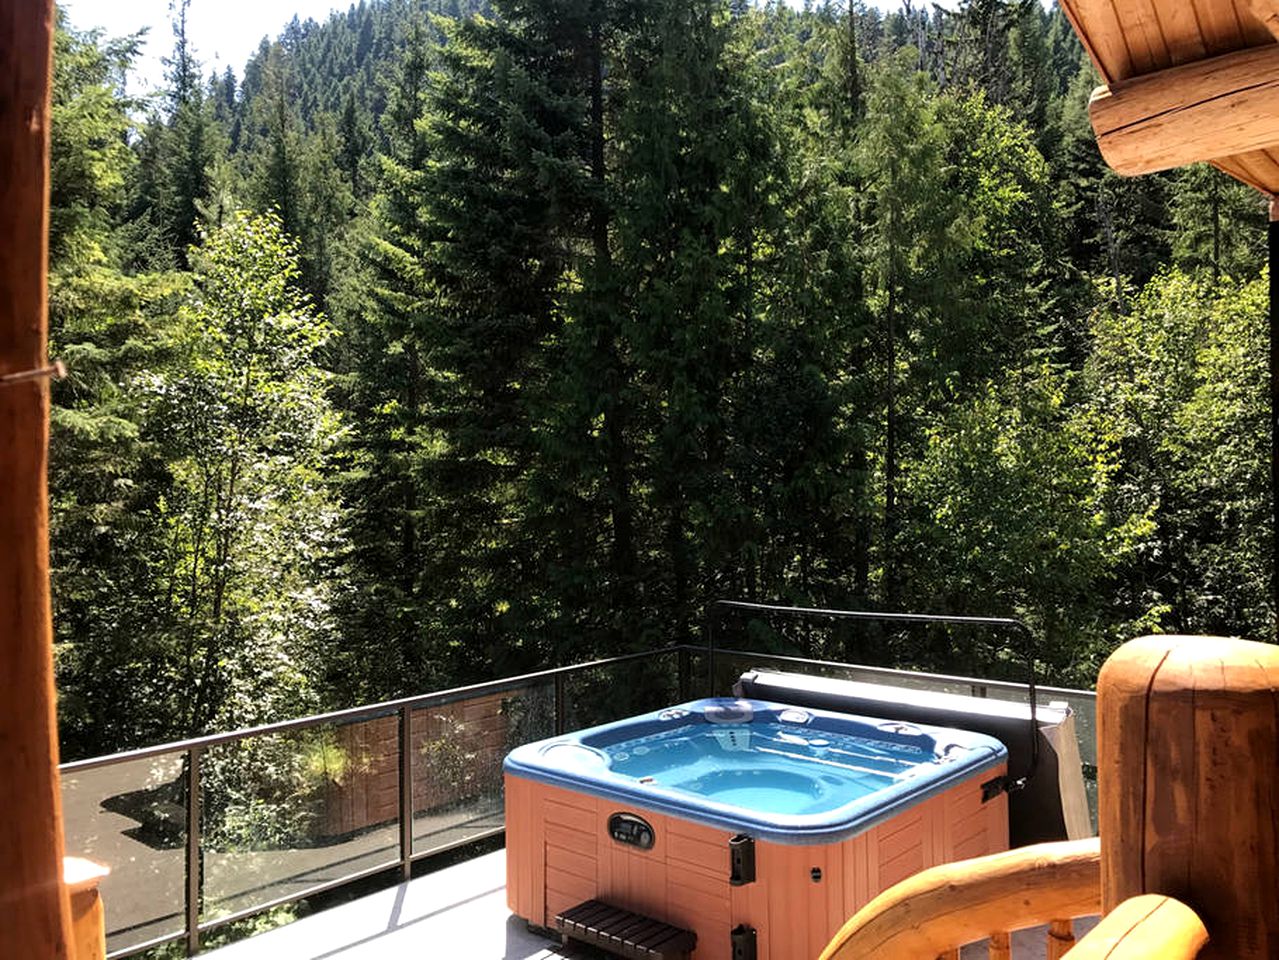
(717,608)
(195,749)
(372,711)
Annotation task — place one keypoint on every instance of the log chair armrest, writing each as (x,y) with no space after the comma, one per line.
(1148,927)
(88,922)
(943,907)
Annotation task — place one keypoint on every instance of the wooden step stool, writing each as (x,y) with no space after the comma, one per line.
(624,933)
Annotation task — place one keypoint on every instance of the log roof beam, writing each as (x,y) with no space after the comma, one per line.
(1206,110)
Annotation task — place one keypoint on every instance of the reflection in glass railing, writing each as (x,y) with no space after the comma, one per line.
(285,813)
(131,816)
(615,691)
(457,752)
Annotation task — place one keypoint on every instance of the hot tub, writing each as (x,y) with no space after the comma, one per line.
(744,821)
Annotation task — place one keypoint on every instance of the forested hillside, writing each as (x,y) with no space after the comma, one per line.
(449,340)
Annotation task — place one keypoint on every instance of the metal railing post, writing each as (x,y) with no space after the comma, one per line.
(559,704)
(406,792)
(195,873)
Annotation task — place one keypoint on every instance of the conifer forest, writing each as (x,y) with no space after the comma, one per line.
(453,339)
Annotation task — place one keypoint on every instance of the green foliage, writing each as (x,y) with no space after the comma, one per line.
(91,159)
(1181,383)
(267,792)
(634,306)
(1220,227)
(118,680)
(1015,510)
(245,418)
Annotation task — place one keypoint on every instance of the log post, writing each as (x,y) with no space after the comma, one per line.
(88,921)
(1061,937)
(34,908)
(1188,784)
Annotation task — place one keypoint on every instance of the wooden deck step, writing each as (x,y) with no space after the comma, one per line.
(624,933)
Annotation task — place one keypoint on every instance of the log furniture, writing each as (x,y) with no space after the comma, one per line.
(1187,862)
(88,922)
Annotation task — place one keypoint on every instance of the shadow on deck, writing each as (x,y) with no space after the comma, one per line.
(459,912)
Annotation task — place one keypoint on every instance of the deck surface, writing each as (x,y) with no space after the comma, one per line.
(459,912)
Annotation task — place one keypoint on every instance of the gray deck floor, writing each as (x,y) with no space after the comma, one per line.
(143,895)
(459,912)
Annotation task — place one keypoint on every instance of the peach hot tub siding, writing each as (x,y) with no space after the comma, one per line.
(559,853)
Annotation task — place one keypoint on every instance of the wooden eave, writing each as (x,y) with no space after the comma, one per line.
(1201,68)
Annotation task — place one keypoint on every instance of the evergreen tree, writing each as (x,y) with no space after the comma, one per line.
(188,141)
(502,199)
(325,208)
(91,160)
(910,250)
(384,304)
(641,304)
(275,149)
(1219,224)
(354,145)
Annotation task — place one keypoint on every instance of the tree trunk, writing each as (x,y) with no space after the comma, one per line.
(853,72)
(1106,214)
(1216,229)
(890,448)
(621,511)
(862,534)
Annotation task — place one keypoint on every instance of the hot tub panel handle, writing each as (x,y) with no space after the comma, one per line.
(741,855)
(743,942)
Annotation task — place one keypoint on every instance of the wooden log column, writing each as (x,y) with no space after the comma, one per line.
(34,908)
(88,920)
(1188,784)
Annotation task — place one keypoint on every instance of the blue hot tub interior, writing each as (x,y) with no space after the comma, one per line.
(795,775)
(766,766)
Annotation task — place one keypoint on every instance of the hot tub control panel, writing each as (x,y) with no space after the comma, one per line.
(631,830)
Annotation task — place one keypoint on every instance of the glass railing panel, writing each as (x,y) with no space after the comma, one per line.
(618,690)
(285,813)
(131,817)
(457,753)
(1084,705)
